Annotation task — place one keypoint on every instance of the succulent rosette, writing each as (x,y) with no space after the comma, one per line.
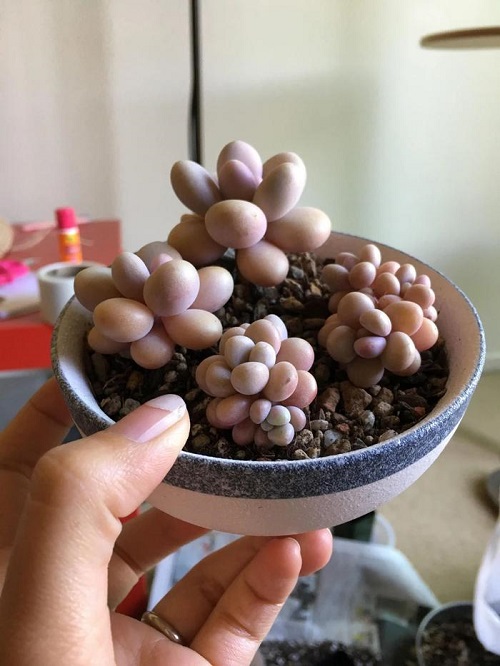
(257,378)
(383,316)
(260,383)
(148,302)
(249,206)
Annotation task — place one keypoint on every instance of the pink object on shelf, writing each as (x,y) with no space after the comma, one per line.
(70,248)
(11,270)
(27,338)
(66,218)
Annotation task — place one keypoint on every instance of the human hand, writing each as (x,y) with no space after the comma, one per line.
(66,559)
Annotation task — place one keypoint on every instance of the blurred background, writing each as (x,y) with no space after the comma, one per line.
(402,144)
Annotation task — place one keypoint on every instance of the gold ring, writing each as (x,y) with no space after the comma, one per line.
(161,625)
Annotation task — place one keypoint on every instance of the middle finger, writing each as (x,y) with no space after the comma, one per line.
(191,601)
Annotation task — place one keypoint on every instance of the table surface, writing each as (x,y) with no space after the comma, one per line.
(25,340)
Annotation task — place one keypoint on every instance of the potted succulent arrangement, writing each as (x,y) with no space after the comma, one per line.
(323,373)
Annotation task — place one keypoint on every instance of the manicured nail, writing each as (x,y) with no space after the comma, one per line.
(152,418)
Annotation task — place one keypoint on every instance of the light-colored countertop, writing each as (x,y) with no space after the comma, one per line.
(443,522)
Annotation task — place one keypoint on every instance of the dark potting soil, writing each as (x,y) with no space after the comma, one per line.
(455,643)
(327,653)
(342,418)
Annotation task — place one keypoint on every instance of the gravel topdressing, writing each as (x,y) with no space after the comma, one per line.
(342,418)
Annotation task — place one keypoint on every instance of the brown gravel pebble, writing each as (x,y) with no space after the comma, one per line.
(382,409)
(355,399)
(342,418)
(330,397)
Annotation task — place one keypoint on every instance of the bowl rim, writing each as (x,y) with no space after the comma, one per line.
(430,617)
(431,424)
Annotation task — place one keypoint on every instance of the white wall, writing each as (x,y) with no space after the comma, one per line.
(402,144)
(93,96)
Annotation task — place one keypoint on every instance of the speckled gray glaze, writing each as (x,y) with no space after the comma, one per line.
(241,496)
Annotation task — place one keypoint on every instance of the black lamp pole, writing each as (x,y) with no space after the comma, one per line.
(195,147)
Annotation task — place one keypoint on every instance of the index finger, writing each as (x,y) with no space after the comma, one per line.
(40,425)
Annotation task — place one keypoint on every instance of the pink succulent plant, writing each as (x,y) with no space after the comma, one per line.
(249,206)
(165,295)
(383,316)
(260,383)
(148,302)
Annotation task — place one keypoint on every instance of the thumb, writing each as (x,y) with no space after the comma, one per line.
(57,576)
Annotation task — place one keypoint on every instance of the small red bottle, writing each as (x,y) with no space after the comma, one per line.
(70,248)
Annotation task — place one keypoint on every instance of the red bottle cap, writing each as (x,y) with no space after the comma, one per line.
(66,218)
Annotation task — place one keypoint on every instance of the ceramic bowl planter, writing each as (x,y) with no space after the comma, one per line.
(286,497)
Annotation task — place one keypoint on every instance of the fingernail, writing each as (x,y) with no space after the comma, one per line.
(151,419)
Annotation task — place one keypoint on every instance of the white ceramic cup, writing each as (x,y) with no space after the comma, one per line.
(56,286)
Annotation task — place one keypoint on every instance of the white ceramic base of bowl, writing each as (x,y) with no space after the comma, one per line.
(277,517)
